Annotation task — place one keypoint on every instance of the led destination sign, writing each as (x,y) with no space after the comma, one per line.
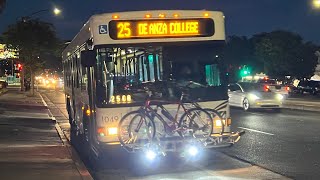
(167,28)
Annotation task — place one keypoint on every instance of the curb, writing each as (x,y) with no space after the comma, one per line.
(303,107)
(3,91)
(83,171)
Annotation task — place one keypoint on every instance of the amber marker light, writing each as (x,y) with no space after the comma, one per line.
(88,112)
(115,17)
(161,15)
(206,14)
(147,16)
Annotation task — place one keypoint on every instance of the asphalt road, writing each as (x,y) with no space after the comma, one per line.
(213,164)
(287,142)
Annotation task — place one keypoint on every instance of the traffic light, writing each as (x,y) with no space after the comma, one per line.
(245,71)
(19,67)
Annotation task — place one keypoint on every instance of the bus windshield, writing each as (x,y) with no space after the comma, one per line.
(124,72)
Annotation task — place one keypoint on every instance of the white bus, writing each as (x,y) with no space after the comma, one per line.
(114,55)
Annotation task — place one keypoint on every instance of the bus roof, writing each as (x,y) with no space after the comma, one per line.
(92,28)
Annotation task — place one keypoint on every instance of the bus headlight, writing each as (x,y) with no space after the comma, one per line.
(109,131)
(112,131)
(193,151)
(218,123)
(150,154)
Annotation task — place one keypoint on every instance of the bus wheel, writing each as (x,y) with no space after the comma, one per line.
(73,127)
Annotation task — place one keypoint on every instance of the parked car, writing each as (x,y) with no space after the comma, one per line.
(309,86)
(253,95)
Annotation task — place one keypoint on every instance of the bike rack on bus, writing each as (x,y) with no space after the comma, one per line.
(177,144)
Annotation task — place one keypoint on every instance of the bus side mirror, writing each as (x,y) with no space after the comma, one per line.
(88,58)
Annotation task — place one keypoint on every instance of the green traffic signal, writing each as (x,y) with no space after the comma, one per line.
(244,71)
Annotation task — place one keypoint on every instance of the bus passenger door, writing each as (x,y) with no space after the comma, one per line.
(91,95)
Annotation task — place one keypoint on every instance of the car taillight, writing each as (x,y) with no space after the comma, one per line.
(266,88)
(287,88)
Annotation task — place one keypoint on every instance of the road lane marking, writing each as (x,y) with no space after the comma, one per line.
(253,130)
(43,101)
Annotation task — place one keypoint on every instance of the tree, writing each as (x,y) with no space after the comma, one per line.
(306,61)
(2,5)
(32,38)
(239,51)
(284,53)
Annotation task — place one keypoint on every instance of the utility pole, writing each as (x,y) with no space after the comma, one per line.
(12,72)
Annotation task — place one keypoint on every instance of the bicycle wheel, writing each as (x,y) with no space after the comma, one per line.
(198,122)
(215,115)
(136,129)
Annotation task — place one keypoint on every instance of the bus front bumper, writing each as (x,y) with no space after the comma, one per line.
(223,140)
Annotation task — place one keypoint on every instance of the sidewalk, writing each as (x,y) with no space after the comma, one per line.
(31,143)
(2,91)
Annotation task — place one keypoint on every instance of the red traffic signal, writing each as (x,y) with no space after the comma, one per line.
(19,67)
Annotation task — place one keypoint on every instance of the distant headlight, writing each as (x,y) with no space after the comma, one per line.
(253,97)
(279,97)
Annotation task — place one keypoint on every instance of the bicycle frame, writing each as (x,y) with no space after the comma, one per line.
(159,104)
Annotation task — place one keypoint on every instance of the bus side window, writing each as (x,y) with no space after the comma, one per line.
(82,75)
(69,72)
(77,71)
(84,79)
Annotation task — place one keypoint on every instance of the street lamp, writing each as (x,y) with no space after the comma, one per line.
(56,11)
(316,4)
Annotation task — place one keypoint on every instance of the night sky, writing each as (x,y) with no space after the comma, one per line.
(243,17)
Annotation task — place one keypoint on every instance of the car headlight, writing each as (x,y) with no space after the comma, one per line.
(253,97)
(279,97)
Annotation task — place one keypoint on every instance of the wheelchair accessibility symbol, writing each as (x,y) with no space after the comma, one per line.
(103,29)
